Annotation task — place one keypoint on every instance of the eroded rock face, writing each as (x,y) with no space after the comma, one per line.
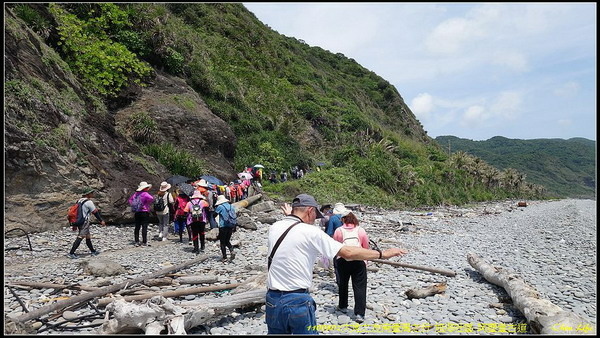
(61,138)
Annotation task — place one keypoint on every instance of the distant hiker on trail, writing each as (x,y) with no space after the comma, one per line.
(350,233)
(141,205)
(226,226)
(334,223)
(335,220)
(161,207)
(84,231)
(196,210)
(327,212)
(289,306)
(180,223)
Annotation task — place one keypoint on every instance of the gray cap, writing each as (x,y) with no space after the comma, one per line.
(304,200)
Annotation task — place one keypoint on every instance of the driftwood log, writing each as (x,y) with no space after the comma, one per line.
(37,313)
(169,294)
(248,201)
(426,292)
(444,272)
(198,279)
(39,285)
(543,316)
(159,314)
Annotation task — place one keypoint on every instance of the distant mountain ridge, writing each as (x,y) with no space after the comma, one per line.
(567,168)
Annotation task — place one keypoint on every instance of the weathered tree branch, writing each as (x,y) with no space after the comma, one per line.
(444,272)
(34,314)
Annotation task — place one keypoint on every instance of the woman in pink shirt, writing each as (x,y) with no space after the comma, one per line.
(350,233)
(141,204)
(197,218)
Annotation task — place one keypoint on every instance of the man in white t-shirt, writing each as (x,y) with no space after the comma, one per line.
(84,230)
(289,307)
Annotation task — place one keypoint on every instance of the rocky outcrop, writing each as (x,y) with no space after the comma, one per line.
(61,138)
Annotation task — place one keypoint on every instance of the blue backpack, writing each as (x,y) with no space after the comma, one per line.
(229,217)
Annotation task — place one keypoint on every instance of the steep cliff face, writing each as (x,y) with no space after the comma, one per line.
(60,138)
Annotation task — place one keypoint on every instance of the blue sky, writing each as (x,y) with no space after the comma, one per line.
(472,70)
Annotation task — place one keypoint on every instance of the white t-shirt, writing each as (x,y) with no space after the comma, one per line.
(88,207)
(294,260)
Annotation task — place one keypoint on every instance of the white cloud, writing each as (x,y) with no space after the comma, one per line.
(569,89)
(512,60)
(473,117)
(507,105)
(422,106)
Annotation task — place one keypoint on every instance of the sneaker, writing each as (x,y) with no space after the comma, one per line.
(146,244)
(137,244)
(224,259)
(164,239)
(95,253)
(160,235)
(232,255)
(359,319)
(190,243)
(342,309)
(72,256)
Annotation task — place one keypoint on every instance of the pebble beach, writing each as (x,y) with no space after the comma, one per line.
(549,244)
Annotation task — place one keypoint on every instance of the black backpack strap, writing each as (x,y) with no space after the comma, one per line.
(278,243)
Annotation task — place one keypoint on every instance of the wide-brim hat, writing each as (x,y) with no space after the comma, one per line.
(87,191)
(340,209)
(198,194)
(143,185)
(164,186)
(305,200)
(202,183)
(221,199)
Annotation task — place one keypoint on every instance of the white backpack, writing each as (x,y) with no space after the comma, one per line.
(350,236)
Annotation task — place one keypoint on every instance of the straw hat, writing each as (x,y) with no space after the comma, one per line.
(340,209)
(143,185)
(164,186)
(202,183)
(221,199)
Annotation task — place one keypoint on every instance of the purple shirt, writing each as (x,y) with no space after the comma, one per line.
(145,200)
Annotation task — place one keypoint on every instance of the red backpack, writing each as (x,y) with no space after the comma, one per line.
(75,215)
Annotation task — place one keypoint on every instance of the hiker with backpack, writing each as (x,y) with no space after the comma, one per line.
(227,223)
(141,204)
(85,208)
(350,233)
(197,209)
(180,220)
(161,208)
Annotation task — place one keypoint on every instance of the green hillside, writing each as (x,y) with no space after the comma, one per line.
(567,168)
(288,104)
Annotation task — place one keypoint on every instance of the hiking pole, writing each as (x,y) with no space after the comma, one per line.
(444,272)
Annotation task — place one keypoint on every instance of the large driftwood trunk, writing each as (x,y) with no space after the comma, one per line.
(543,316)
(160,314)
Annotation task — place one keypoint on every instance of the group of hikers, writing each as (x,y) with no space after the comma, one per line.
(289,307)
(190,211)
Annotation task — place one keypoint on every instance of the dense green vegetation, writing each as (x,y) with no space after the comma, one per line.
(567,168)
(288,103)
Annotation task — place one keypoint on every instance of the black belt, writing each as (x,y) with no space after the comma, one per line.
(293,291)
